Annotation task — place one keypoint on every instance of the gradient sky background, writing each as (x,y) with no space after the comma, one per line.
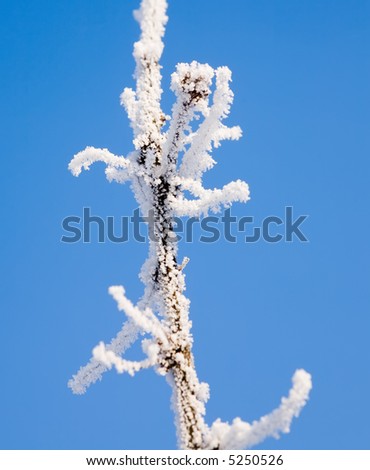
(301,74)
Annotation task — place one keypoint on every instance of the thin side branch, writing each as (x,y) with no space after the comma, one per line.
(242,435)
(90,155)
(208,199)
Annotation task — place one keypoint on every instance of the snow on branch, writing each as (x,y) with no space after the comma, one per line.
(208,199)
(106,356)
(129,102)
(93,370)
(241,435)
(197,159)
(147,322)
(144,319)
(146,108)
(109,359)
(191,85)
(90,155)
(152,19)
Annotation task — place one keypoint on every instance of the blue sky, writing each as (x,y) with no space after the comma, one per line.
(260,311)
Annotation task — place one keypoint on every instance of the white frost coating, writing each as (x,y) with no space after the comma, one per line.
(226,133)
(197,159)
(119,176)
(163,168)
(90,155)
(242,435)
(109,359)
(129,102)
(208,199)
(149,117)
(93,370)
(145,320)
(191,84)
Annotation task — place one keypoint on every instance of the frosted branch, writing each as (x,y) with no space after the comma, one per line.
(129,102)
(184,263)
(241,435)
(160,182)
(109,359)
(139,320)
(119,176)
(90,155)
(144,319)
(149,117)
(226,133)
(191,85)
(197,159)
(208,199)
(93,370)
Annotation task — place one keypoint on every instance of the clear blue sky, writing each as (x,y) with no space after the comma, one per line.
(259,311)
